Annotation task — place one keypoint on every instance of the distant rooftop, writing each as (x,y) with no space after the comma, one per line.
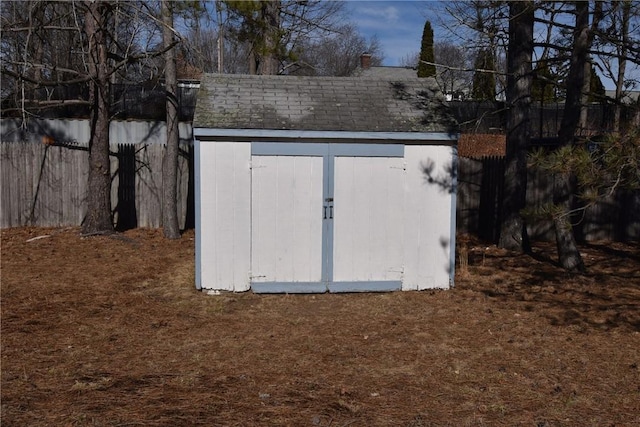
(387,72)
(365,69)
(629,97)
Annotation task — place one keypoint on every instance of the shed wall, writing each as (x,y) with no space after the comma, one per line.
(423,216)
(223,215)
(429,217)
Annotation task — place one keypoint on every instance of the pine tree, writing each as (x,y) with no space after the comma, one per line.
(484,81)
(426,66)
(543,89)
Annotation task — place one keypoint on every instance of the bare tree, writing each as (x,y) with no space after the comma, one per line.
(275,29)
(588,77)
(614,32)
(602,36)
(96,26)
(336,54)
(451,66)
(481,28)
(622,60)
(40,50)
(568,252)
(410,60)
(56,46)
(196,49)
(313,38)
(513,233)
(170,224)
(617,46)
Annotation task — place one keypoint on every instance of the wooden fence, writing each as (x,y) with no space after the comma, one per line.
(490,117)
(480,192)
(46,185)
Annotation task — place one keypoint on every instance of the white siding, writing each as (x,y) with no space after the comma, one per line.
(427,219)
(286,219)
(260,218)
(224,216)
(368,229)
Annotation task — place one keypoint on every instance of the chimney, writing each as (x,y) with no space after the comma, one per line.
(365,60)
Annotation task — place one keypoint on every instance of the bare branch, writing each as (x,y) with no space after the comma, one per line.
(479,70)
(38,82)
(40,27)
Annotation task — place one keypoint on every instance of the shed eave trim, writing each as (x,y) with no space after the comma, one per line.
(252,134)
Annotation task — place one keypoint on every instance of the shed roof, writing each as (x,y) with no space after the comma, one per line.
(352,104)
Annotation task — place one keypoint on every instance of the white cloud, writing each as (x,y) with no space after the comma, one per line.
(375,15)
(388,15)
(397,24)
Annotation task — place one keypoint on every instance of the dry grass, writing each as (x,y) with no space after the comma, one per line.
(109,331)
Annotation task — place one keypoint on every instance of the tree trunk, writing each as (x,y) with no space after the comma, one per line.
(170,161)
(98,219)
(622,63)
(583,123)
(253,62)
(270,12)
(220,37)
(569,256)
(568,253)
(583,126)
(575,79)
(513,233)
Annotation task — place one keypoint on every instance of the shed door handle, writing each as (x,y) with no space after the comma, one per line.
(324,213)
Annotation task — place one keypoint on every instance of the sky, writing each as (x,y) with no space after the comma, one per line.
(397,24)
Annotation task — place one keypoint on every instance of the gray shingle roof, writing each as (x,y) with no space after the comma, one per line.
(359,104)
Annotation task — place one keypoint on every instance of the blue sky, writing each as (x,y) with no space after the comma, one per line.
(398,25)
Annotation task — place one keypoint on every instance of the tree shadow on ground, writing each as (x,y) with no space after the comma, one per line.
(607,296)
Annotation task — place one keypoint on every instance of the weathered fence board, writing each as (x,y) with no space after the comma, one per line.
(480,195)
(46,185)
(38,185)
(490,117)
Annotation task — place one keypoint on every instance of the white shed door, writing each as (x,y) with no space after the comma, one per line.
(326,217)
(368,228)
(286,219)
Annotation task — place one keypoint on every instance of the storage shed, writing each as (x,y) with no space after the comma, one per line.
(316,184)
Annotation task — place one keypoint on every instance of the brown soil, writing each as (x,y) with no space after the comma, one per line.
(109,331)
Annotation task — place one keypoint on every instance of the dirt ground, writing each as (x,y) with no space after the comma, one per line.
(110,331)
